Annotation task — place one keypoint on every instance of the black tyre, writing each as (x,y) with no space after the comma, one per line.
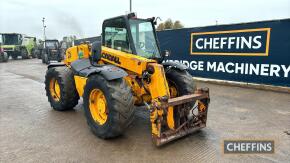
(39,55)
(59,58)
(24,53)
(45,59)
(33,53)
(60,88)
(42,58)
(180,83)
(14,55)
(181,80)
(5,57)
(118,111)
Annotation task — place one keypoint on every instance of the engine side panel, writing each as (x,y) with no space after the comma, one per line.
(77,52)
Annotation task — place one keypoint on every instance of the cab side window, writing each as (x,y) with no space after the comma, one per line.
(116,35)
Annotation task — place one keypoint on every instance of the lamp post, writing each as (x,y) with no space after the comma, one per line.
(44,26)
(130,6)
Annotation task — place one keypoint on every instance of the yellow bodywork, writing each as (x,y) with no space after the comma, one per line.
(77,52)
(80,84)
(130,62)
(158,86)
(135,66)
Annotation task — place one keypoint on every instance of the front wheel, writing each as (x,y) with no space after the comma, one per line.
(180,83)
(108,106)
(45,59)
(5,57)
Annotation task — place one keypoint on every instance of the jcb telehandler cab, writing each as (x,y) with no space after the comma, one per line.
(123,71)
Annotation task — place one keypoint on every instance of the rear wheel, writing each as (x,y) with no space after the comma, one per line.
(14,55)
(60,88)
(59,58)
(24,53)
(108,106)
(33,53)
(38,55)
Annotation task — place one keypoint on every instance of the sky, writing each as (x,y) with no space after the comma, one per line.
(84,18)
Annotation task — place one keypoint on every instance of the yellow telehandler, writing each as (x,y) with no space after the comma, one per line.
(124,70)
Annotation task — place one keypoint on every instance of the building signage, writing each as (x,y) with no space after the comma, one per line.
(255,52)
(246,42)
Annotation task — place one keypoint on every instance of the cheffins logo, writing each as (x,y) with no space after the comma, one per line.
(247,42)
(249,146)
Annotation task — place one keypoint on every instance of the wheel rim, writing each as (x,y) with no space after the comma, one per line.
(98,106)
(172,89)
(171,112)
(54,89)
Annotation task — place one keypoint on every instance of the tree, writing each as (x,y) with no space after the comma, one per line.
(168,24)
(160,27)
(177,24)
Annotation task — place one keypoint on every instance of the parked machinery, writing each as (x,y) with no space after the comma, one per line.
(39,48)
(64,45)
(15,44)
(51,51)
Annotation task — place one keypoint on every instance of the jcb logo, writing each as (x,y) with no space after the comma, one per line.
(111,58)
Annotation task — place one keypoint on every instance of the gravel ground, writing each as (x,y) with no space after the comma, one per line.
(31,131)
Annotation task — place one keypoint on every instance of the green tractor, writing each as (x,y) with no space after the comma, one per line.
(15,44)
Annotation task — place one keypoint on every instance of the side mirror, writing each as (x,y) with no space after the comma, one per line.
(166,53)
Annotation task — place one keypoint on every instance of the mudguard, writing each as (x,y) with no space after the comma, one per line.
(109,72)
(55,65)
(176,65)
(83,67)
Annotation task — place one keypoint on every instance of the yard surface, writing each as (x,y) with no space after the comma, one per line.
(31,131)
